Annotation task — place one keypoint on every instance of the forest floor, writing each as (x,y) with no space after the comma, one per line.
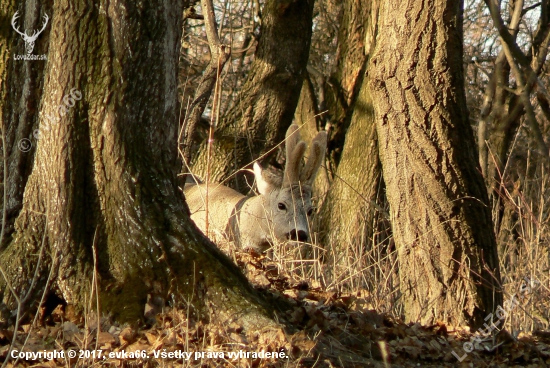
(332,330)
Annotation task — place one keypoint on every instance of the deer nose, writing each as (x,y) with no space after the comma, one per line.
(299,235)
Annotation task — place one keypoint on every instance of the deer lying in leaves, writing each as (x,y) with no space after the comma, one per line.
(279,213)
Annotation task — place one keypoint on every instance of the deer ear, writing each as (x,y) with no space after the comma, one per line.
(315,159)
(264,186)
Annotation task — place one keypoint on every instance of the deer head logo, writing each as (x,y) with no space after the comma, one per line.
(29,40)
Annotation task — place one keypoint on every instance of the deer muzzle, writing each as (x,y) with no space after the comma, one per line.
(298,235)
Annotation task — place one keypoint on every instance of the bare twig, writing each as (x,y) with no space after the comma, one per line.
(42,299)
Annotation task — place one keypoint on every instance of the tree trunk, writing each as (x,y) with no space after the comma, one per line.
(347,214)
(438,201)
(266,103)
(355,36)
(20,89)
(102,200)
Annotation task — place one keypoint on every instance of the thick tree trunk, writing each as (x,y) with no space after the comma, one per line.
(102,196)
(439,207)
(266,103)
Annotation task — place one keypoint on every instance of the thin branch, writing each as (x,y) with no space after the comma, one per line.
(210,25)
(5,183)
(485,115)
(517,110)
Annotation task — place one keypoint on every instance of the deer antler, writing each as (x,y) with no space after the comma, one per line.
(13,19)
(37,33)
(26,37)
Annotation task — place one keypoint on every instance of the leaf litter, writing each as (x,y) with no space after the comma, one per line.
(331,329)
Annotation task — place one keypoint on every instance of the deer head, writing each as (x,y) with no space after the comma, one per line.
(29,40)
(287,200)
(279,214)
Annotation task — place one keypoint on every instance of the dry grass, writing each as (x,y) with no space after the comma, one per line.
(369,266)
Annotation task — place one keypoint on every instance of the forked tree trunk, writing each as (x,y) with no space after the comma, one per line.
(266,103)
(102,196)
(348,212)
(439,208)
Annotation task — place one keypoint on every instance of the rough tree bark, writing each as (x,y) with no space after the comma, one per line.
(22,82)
(102,196)
(438,201)
(342,88)
(266,103)
(348,211)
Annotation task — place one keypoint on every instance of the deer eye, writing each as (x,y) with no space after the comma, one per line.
(281,206)
(310,212)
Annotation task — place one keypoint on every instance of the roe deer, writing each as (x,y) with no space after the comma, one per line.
(278,214)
